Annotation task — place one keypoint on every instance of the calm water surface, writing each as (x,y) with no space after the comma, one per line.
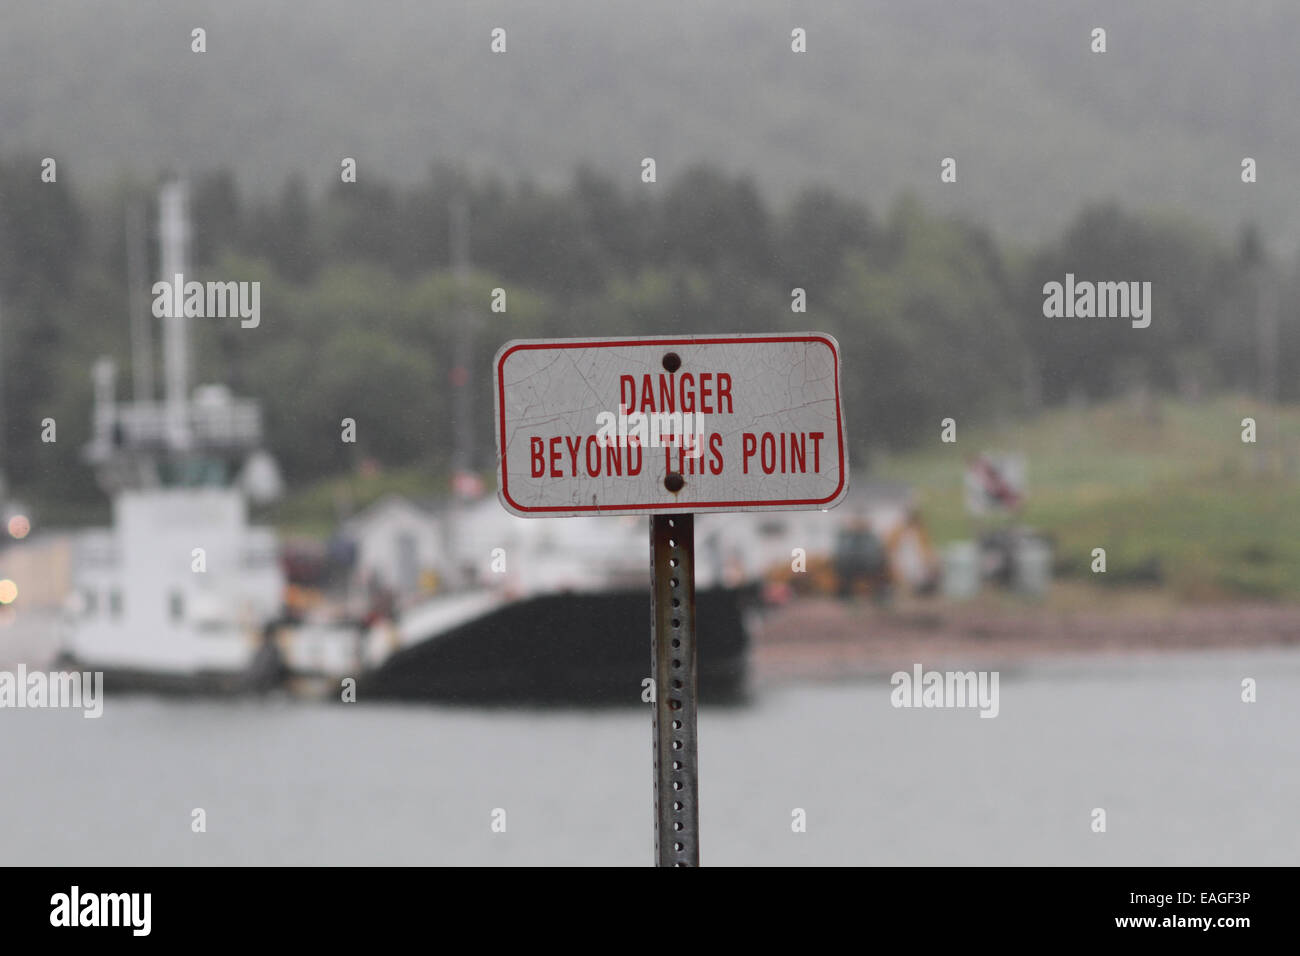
(1187,773)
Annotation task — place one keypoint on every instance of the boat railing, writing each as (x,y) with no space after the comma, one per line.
(233,423)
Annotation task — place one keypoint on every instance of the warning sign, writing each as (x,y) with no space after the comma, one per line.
(669,423)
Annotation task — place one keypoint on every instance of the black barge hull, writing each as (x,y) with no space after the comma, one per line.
(565,650)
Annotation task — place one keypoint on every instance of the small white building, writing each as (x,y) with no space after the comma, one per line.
(400,546)
(498,550)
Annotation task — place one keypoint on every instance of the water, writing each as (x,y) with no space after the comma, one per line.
(1187,773)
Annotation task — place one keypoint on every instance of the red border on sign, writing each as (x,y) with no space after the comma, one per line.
(666,506)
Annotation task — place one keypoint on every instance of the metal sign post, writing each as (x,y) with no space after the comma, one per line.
(673,660)
(670,427)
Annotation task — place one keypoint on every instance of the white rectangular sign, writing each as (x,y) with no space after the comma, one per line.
(669,423)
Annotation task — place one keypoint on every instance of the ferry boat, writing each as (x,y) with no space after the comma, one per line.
(182,591)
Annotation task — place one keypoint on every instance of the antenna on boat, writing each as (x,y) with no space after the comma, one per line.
(141,332)
(174,239)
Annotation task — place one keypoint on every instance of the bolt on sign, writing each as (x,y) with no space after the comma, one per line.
(666,424)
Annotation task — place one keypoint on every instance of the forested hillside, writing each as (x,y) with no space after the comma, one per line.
(359,305)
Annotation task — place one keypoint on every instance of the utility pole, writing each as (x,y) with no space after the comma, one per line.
(462,456)
(463,354)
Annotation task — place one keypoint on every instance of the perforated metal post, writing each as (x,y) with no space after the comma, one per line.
(673,659)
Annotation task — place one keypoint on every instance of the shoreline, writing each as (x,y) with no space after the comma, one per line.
(821,639)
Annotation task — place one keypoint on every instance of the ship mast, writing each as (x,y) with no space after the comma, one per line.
(182,439)
(174,237)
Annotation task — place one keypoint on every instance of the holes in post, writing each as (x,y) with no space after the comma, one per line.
(672,540)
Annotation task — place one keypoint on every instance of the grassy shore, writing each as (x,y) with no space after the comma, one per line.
(1168,488)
